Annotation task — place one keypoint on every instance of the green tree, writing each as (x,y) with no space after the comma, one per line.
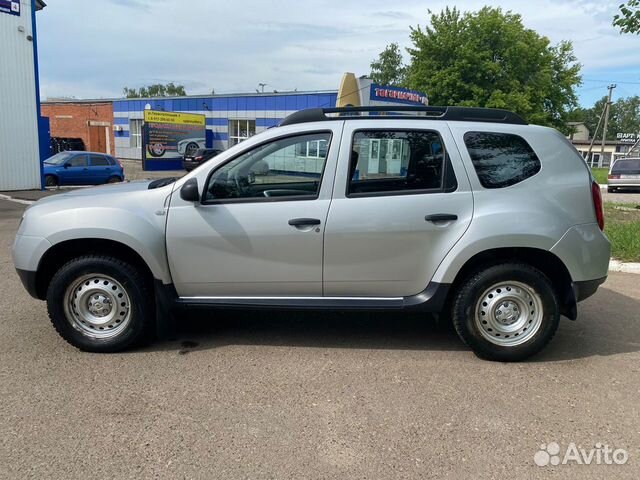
(624,116)
(628,20)
(489,59)
(155,90)
(389,68)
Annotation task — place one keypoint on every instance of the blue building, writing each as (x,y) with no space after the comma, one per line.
(230,119)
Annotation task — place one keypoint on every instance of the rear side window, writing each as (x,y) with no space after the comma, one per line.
(501,159)
(99,161)
(626,166)
(398,162)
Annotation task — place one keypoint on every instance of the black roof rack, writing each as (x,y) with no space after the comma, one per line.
(459,114)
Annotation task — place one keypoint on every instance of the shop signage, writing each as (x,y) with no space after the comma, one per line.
(627,137)
(168,136)
(383,93)
(12,7)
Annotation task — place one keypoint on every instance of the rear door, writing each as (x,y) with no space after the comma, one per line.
(101,168)
(401,200)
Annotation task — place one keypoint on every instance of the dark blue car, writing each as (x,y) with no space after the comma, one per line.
(82,168)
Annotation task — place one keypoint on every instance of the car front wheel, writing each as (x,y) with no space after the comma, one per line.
(506,312)
(100,304)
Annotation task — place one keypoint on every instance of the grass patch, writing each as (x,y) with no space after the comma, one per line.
(601,175)
(622,226)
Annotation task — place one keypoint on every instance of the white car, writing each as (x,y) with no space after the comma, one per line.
(188,146)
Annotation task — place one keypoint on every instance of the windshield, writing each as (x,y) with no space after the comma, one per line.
(58,158)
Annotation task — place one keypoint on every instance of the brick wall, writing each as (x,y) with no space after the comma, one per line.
(74,120)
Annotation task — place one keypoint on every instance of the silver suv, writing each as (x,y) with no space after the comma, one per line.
(469,213)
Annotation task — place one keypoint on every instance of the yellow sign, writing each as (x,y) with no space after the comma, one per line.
(175,118)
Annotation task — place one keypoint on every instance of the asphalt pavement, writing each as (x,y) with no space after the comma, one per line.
(315,395)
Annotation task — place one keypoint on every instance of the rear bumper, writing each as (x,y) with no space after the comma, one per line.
(28,279)
(189,165)
(584,289)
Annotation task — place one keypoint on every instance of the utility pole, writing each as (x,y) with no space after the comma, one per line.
(607,109)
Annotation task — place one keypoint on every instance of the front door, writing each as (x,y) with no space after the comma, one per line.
(258,229)
(76,171)
(401,201)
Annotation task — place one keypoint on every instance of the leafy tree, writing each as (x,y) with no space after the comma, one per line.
(628,20)
(489,59)
(389,68)
(155,90)
(624,116)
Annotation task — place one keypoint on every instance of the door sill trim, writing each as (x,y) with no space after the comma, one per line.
(432,299)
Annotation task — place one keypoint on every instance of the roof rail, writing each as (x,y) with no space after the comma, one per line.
(458,114)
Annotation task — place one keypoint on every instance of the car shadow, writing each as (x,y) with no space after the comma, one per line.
(313,329)
(607,325)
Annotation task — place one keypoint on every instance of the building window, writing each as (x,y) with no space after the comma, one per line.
(135,133)
(240,130)
(312,149)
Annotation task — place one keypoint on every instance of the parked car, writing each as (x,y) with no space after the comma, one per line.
(199,157)
(624,173)
(469,213)
(188,146)
(82,168)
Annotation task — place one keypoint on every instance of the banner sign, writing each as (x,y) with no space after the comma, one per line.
(169,136)
(627,137)
(383,93)
(11,7)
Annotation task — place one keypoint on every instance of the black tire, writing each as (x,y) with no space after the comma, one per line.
(50,181)
(114,179)
(472,291)
(191,149)
(140,310)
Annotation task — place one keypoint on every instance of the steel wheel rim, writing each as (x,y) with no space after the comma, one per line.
(509,313)
(98,306)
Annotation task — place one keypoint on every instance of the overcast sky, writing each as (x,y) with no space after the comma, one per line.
(91,49)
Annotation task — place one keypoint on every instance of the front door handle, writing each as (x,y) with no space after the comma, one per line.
(441,217)
(301,222)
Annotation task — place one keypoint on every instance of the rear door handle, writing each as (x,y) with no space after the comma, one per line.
(441,217)
(299,222)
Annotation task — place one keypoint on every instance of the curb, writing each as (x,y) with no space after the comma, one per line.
(618,266)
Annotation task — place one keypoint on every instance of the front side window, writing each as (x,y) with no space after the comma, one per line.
(396,161)
(135,133)
(78,161)
(501,159)
(240,130)
(275,169)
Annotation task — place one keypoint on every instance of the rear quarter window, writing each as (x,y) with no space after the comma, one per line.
(501,159)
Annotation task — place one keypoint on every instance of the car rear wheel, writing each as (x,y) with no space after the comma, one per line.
(50,181)
(100,304)
(114,180)
(191,149)
(506,312)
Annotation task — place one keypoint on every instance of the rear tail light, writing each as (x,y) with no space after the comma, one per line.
(197,159)
(613,177)
(597,203)
(119,163)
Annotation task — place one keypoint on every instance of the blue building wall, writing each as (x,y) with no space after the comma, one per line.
(266,109)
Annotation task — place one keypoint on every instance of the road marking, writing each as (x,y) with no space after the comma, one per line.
(16,200)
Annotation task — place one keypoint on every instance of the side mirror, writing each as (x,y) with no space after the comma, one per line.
(189,191)
(67,165)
